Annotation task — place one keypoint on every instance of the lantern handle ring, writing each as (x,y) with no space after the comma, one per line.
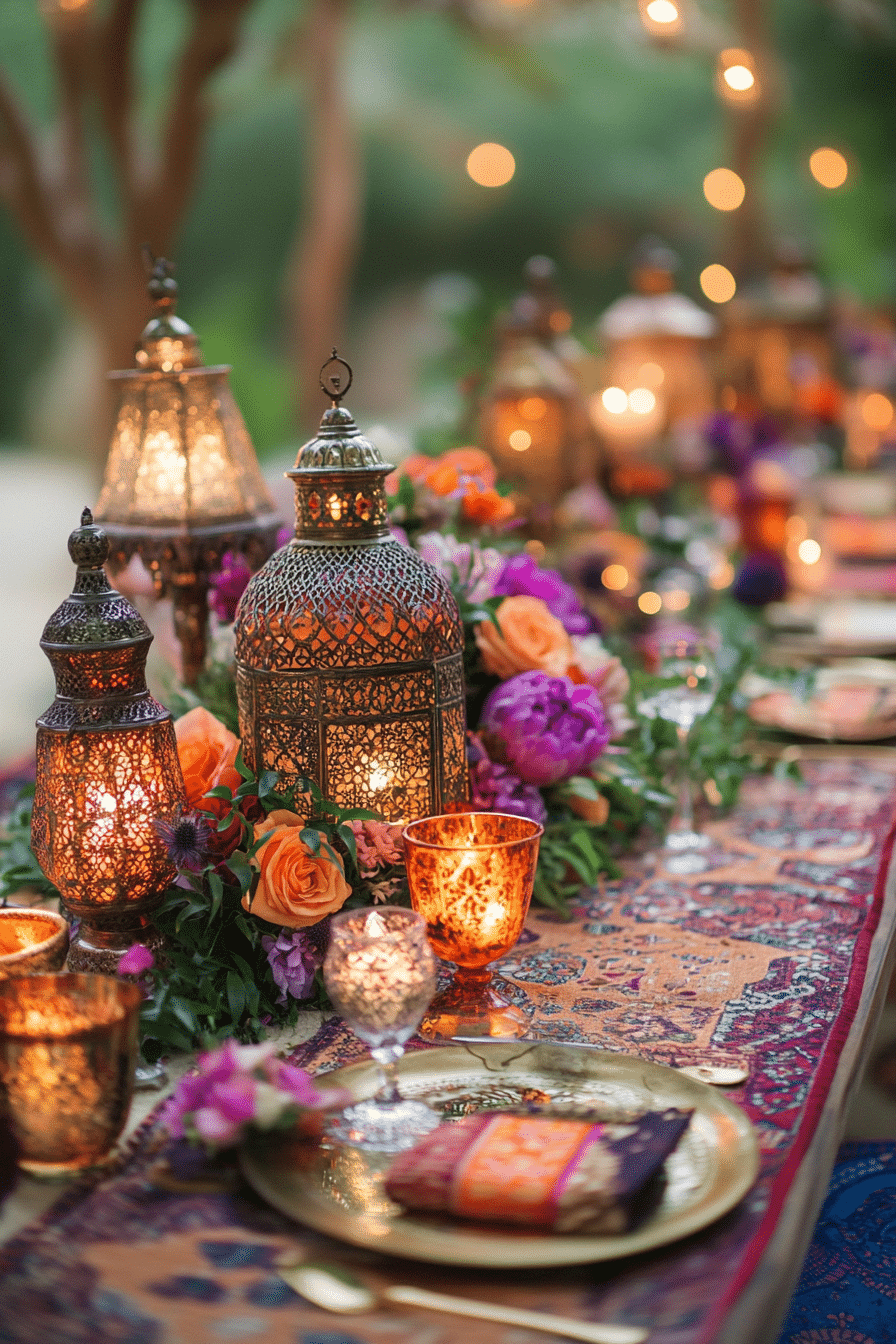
(331,385)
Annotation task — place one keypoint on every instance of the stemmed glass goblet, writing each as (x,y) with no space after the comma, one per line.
(380,973)
(689,685)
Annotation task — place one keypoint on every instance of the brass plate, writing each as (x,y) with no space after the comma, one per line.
(340,1190)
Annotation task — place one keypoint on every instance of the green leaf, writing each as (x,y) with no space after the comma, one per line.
(311,838)
(216,887)
(220,791)
(267,783)
(236,995)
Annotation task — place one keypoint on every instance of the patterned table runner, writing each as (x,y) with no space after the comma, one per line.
(761,959)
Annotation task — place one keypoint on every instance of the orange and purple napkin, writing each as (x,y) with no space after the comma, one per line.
(558,1174)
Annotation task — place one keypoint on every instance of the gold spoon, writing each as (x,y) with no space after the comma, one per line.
(335,1290)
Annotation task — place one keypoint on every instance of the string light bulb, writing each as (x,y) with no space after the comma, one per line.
(828,167)
(737,80)
(661,17)
(723,189)
(491,165)
(717,283)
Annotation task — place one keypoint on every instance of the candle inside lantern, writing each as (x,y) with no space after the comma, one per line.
(470,877)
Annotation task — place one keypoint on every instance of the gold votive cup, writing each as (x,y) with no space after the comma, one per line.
(470,876)
(68,1050)
(31,941)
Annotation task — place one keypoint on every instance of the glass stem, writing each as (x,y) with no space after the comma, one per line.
(387,1056)
(685,806)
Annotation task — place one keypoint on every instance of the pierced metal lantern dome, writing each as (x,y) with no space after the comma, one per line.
(107,765)
(349,646)
(182,483)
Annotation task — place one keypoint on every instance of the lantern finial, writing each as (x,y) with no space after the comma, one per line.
(331,385)
(88,545)
(167,342)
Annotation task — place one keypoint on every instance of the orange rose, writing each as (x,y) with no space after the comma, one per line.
(443,479)
(527,638)
(472,462)
(207,752)
(486,507)
(295,888)
(414,467)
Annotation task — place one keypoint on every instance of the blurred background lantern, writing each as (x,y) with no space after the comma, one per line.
(107,765)
(182,483)
(349,646)
(534,421)
(657,386)
(777,351)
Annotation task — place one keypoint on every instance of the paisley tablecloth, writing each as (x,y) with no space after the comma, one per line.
(761,959)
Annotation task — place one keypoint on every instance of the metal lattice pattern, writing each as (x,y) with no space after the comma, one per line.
(350,607)
(341,505)
(97,797)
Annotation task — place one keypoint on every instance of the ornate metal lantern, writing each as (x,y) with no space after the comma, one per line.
(534,421)
(182,483)
(349,647)
(107,765)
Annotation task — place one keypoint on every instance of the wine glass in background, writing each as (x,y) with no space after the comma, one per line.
(380,973)
(688,685)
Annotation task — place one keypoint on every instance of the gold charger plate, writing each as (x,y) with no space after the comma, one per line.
(339,1190)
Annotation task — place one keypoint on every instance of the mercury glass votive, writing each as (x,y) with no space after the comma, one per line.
(68,1048)
(380,973)
(470,876)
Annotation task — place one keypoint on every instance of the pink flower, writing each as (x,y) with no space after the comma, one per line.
(238,1086)
(378,844)
(136,960)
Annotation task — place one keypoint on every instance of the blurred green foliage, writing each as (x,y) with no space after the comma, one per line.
(612,136)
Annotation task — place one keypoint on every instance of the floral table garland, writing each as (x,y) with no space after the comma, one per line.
(557,738)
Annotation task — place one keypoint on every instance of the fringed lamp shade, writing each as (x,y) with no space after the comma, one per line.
(182,482)
(107,765)
(349,647)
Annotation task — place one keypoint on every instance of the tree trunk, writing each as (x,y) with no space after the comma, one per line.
(326,246)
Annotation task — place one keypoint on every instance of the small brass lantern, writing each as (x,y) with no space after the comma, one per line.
(349,646)
(107,766)
(182,482)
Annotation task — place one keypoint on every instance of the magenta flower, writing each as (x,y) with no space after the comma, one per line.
(136,960)
(238,1086)
(495,788)
(227,586)
(293,963)
(522,577)
(550,727)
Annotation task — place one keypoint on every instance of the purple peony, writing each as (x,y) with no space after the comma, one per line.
(522,577)
(293,963)
(550,727)
(227,586)
(495,788)
(761,578)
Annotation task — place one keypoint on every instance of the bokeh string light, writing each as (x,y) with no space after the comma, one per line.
(828,167)
(491,165)
(717,283)
(723,189)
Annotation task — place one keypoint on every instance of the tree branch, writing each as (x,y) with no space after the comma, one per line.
(211,41)
(25,188)
(114,76)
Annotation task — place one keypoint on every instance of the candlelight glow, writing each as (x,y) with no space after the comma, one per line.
(809,551)
(736,78)
(491,165)
(724,189)
(520,440)
(717,283)
(533,408)
(641,400)
(615,577)
(615,400)
(828,167)
(650,603)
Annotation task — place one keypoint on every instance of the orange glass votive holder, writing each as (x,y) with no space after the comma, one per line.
(68,1050)
(470,876)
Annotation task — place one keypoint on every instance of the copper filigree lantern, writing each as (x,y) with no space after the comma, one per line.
(349,646)
(182,483)
(107,765)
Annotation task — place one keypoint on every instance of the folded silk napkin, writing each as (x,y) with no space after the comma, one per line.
(563,1175)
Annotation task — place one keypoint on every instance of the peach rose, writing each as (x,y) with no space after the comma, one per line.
(527,638)
(486,507)
(207,752)
(472,463)
(295,888)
